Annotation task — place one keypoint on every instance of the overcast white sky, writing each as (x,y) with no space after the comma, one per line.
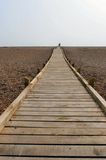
(48,22)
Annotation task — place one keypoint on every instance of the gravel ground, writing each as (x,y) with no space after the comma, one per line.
(15,64)
(92,62)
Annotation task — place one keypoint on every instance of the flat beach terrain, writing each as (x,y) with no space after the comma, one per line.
(15,64)
(92,63)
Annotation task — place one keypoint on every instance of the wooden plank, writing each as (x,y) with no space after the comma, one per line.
(56,124)
(67,91)
(58,118)
(57,105)
(60,103)
(62,96)
(58,73)
(45,158)
(70,88)
(80,98)
(96,113)
(52,139)
(51,150)
(33,106)
(48,109)
(44,104)
(72,85)
(33,93)
(54,131)
(62,100)
(61,89)
(69,81)
(60,76)
(60,83)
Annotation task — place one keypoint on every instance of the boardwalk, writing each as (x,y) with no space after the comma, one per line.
(58,120)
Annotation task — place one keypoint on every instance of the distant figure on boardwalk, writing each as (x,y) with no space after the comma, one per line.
(59,44)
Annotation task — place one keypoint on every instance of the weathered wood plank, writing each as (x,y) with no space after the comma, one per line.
(68,88)
(58,118)
(32,139)
(55,131)
(70,82)
(57,124)
(79,113)
(45,158)
(62,96)
(66,91)
(54,83)
(57,150)
(59,104)
(48,109)
(62,100)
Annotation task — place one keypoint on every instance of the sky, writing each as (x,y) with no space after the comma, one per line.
(49,22)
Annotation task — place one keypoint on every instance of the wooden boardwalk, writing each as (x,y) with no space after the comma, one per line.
(58,120)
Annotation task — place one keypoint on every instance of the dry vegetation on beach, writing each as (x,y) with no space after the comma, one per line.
(92,63)
(15,64)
